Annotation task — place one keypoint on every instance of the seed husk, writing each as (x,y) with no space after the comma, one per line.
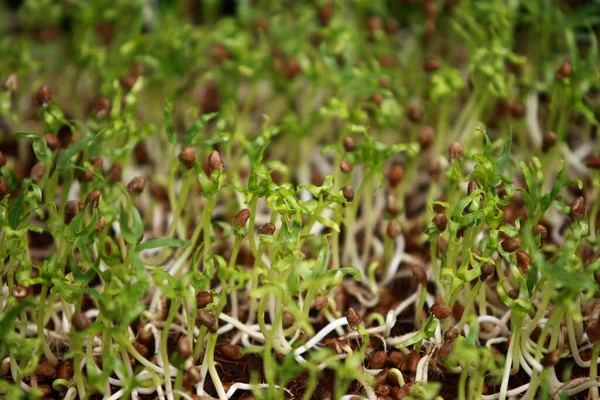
(451,334)
(354,318)
(487,270)
(440,221)
(517,110)
(393,229)
(65,370)
(93,198)
(45,370)
(593,330)
(348,193)
(72,208)
(395,175)
(456,151)
(541,230)
(116,172)
(215,162)
(395,359)
(136,185)
(188,157)
(349,144)
(415,113)
(52,141)
(44,96)
(565,70)
(523,261)
(419,274)
(267,229)
(184,347)
(426,137)
(432,65)
(11,83)
(549,141)
(80,321)
(142,349)
(204,298)
(242,217)
(232,351)
(100,224)
(511,244)
(410,362)
(20,292)
(37,171)
(578,208)
(378,360)
(346,166)
(321,301)
(191,377)
(208,320)
(440,310)
(550,359)
(513,294)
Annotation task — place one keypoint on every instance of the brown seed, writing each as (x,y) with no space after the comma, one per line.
(93,198)
(457,311)
(511,244)
(487,270)
(100,224)
(346,166)
(348,193)
(191,377)
(383,391)
(523,261)
(158,191)
(593,162)
(565,70)
(445,350)
(455,151)
(267,229)
(451,334)
(3,187)
(393,229)
(593,330)
(242,217)
(45,370)
(72,208)
(513,294)
(472,186)
(440,221)
(349,144)
(208,320)
(432,65)
(11,83)
(136,185)
(354,318)
(409,365)
(188,157)
(215,162)
(145,336)
(80,321)
(440,310)
(232,351)
(204,298)
(43,96)
(549,141)
(184,347)
(321,301)
(52,141)
(65,370)
(116,172)
(395,175)
(37,171)
(143,350)
(378,360)
(550,359)
(395,359)
(288,319)
(517,110)
(419,274)
(541,230)
(20,292)
(414,113)
(578,208)
(85,175)
(426,137)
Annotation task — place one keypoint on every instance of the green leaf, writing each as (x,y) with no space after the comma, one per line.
(169,124)
(14,214)
(64,160)
(162,242)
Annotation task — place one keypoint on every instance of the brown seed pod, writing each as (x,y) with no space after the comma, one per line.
(565,70)
(393,229)
(215,162)
(65,370)
(43,96)
(378,360)
(3,187)
(204,298)
(346,166)
(116,172)
(93,198)
(440,221)
(72,208)
(487,270)
(440,310)
(52,141)
(426,137)
(419,274)
(550,359)
(321,301)
(549,141)
(208,320)
(451,334)
(349,144)
(45,370)
(348,193)
(593,162)
(80,321)
(136,185)
(593,330)
(188,157)
(523,261)
(267,229)
(578,208)
(232,351)
(242,217)
(184,347)
(455,151)
(354,318)
(432,65)
(511,244)
(37,171)
(395,175)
